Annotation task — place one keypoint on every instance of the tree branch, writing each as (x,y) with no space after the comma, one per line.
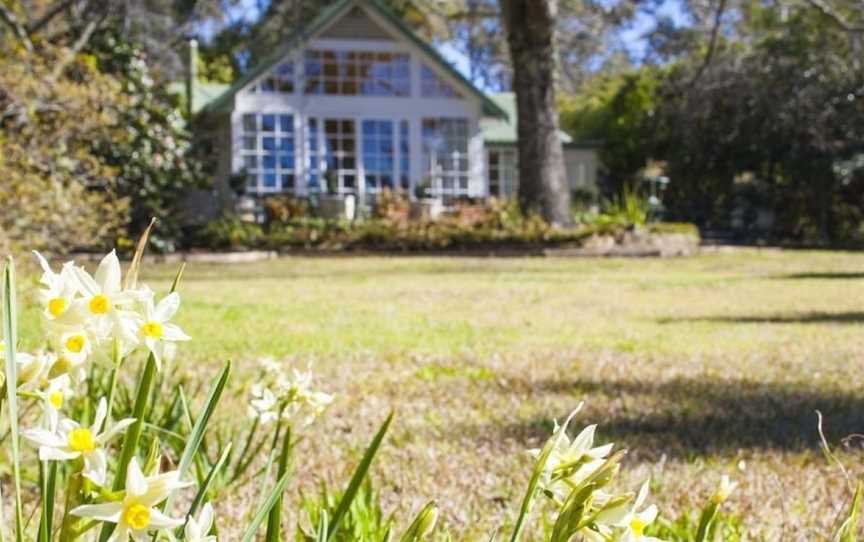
(835,16)
(8,16)
(73,51)
(40,23)
(712,44)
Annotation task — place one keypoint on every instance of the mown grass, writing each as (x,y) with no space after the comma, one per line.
(700,366)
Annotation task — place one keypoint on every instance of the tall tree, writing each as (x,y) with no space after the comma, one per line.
(543,182)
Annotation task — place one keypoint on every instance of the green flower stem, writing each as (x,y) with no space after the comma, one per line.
(115,372)
(133,434)
(274,521)
(73,490)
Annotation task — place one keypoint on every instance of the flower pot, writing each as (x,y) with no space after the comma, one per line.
(337,206)
(426,209)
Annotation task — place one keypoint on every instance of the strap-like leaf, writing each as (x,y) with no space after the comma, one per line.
(357,479)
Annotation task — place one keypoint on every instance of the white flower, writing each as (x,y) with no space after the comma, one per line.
(136,514)
(724,489)
(104,300)
(300,397)
(59,289)
(263,404)
(577,459)
(630,522)
(71,441)
(196,529)
(155,331)
(29,368)
(72,343)
(54,396)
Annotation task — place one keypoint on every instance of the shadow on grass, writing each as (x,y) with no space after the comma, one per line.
(820,275)
(816,317)
(687,417)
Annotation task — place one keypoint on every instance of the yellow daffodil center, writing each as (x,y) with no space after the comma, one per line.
(637,526)
(99,304)
(56,306)
(137,516)
(75,343)
(56,399)
(152,330)
(81,440)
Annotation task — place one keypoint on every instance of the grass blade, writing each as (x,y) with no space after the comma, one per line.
(264,511)
(197,435)
(10,329)
(357,479)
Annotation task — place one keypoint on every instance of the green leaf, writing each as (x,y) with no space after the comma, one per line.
(274,521)
(539,469)
(848,531)
(357,479)
(264,510)
(197,435)
(133,434)
(204,488)
(10,329)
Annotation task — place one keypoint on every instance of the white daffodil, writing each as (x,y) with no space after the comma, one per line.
(136,515)
(263,404)
(71,441)
(628,522)
(29,367)
(300,397)
(59,289)
(104,300)
(73,344)
(155,330)
(197,529)
(576,459)
(54,397)
(724,489)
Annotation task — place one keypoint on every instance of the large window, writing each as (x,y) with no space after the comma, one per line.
(340,136)
(378,154)
(268,152)
(502,172)
(352,73)
(445,152)
(432,86)
(280,79)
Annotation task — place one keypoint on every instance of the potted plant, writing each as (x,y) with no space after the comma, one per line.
(335,206)
(425,206)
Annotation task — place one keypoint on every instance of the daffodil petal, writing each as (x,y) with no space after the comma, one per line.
(109,511)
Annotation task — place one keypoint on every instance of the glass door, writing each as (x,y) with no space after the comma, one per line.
(340,149)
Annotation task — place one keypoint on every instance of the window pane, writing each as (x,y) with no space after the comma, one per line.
(268,123)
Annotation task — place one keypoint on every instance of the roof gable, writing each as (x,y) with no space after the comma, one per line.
(344,16)
(356,24)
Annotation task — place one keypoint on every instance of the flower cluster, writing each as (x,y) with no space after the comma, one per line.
(576,476)
(88,317)
(286,395)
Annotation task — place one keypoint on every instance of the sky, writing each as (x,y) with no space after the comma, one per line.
(632,37)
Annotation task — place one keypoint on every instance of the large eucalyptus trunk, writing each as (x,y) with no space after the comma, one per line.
(543,185)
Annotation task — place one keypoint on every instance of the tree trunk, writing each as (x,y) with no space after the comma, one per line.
(543,184)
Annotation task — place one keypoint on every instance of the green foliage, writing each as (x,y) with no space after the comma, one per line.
(627,209)
(152,154)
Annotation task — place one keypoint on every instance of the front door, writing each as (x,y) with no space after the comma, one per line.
(340,139)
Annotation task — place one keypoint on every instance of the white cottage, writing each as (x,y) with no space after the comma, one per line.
(360,96)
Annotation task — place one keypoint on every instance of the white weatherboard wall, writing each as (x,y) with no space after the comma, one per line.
(413,108)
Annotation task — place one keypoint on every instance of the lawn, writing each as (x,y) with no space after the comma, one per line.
(700,366)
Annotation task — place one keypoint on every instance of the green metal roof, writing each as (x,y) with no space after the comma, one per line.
(329,15)
(203,92)
(505,132)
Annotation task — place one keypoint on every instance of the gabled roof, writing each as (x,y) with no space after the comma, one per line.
(330,15)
